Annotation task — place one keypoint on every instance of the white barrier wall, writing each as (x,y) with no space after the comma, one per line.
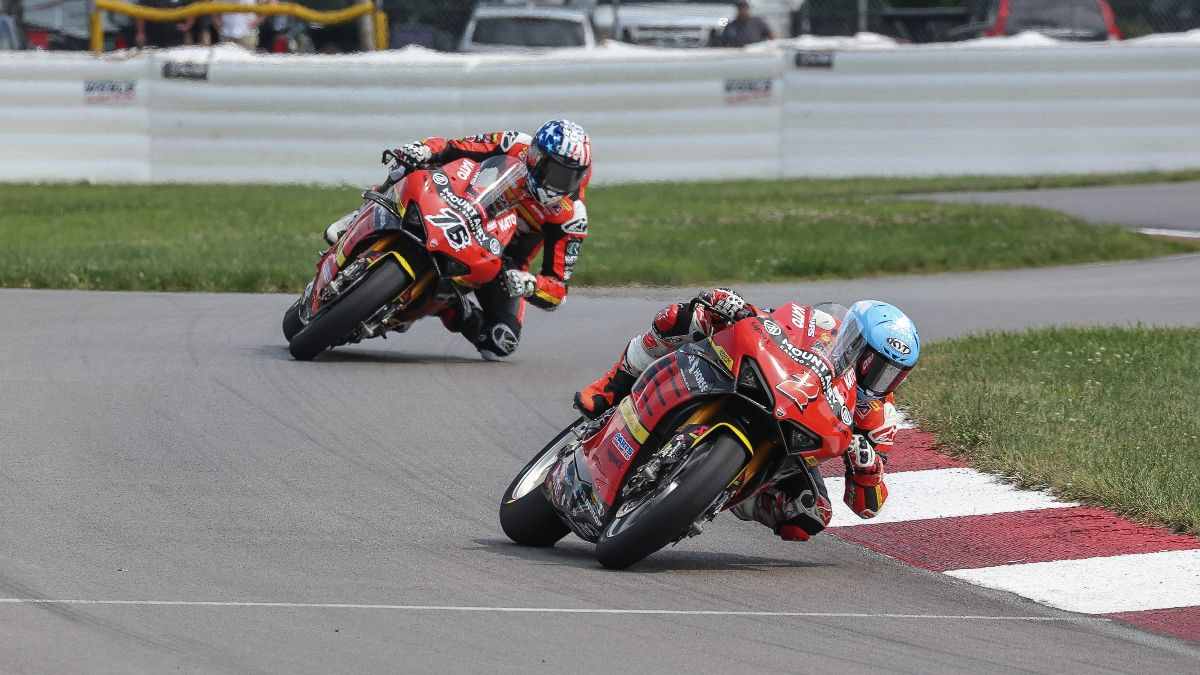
(197,115)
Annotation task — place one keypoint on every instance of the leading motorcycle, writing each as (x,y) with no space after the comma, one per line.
(419,243)
(705,428)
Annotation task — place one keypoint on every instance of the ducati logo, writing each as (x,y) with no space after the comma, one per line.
(772,327)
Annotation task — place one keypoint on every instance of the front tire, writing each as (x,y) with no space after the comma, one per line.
(291,321)
(526,515)
(652,521)
(329,327)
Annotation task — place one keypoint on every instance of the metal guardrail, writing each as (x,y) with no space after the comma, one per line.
(201,8)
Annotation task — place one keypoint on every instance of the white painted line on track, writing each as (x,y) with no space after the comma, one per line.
(941,493)
(1122,583)
(536,610)
(1161,232)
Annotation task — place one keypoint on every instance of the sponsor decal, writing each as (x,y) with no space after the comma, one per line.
(577,226)
(798,317)
(772,327)
(898,346)
(508,222)
(465,169)
(185,71)
(109,92)
(623,445)
(465,208)
(811,461)
(699,382)
(629,416)
(439,178)
(507,140)
(812,326)
(726,359)
(821,59)
(572,251)
(825,375)
(748,90)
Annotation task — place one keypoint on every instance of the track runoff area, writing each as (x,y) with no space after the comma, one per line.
(974,527)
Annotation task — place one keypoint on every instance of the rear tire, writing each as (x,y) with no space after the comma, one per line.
(291,321)
(329,327)
(676,502)
(526,515)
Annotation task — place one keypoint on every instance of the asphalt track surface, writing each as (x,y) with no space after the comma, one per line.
(178,494)
(1171,206)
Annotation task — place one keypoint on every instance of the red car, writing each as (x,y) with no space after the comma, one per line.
(1059,19)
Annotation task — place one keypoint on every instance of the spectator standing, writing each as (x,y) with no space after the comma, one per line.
(163,33)
(239,27)
(746,28)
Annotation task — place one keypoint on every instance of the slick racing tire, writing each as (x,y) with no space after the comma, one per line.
(653,520)
(291,321)
(525,514)
(334,324)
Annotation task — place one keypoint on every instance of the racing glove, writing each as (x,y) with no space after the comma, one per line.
(411,156)
(726,304)
(519,283)
(865,491)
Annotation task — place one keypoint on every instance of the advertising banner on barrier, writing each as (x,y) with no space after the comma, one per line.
(814,108)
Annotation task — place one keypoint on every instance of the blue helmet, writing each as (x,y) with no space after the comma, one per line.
(559,159)
(882,344)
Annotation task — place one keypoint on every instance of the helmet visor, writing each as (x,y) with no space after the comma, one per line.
(879,375)
(548,173)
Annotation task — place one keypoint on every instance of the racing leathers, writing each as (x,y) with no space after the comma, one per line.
(788,507)
(557,231)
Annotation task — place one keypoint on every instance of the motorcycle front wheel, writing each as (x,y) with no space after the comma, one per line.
(333,325)
(526,516)
(291,321)
(654,519)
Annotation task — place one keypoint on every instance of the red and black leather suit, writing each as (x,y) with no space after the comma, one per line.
(557,232)
(781,506)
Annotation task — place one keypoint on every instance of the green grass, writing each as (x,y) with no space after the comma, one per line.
(264,238)
(1102,415)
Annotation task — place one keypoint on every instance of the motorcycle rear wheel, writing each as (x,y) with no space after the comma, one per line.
(654,520)
(330,327)
(526,516)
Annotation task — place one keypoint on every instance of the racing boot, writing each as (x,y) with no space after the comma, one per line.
(338,227)
(606,392)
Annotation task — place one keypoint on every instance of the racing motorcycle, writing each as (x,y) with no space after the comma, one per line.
(419,243)
(705,428)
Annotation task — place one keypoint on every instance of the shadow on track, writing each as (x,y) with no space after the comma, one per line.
(359,355)
(582,556)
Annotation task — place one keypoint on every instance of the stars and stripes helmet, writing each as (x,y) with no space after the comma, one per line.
(559,159)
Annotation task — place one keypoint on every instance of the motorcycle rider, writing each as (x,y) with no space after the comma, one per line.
(878,340)
(552,217)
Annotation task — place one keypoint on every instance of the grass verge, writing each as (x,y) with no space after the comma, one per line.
(264,238)
(1102,415)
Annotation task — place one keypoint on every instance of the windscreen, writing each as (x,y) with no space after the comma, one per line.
(497,181)
(1065,18)
(523,31)
(831,316)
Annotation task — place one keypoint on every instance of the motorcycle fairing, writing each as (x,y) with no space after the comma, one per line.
(685,375)
(790,350)
(371,221)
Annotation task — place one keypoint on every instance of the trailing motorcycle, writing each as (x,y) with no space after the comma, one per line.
(418,243)
(705,428)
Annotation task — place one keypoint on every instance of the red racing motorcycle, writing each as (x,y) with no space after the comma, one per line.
(704,429)
(414,249)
